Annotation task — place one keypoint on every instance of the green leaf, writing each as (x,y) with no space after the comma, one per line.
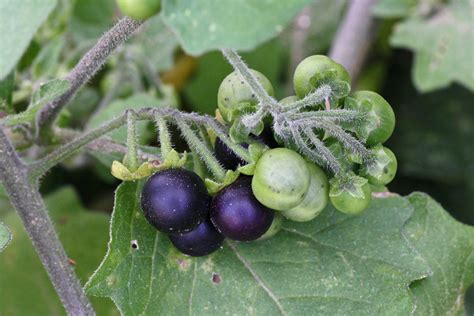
(316,27)
(91,18)
(448,247)
(6,92)
(24,284)
(47,62)
(47,92)
(333,265)
(443,46)
(209,24)
(19,21)
(5,236)
(154,33)
(394,8)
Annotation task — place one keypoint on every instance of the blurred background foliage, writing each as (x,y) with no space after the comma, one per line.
(421,62)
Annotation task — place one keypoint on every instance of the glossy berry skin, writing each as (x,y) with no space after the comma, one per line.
(315,200)
(281,179)
(201,241)
(139,9)
(381,117)
(175,200)
(237,214)
(308,68)
(234,94)
(226,156)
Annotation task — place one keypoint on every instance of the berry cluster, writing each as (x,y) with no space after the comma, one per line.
(284,181)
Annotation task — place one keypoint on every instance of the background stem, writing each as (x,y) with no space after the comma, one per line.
(26,199)
(354,37)
(84,70)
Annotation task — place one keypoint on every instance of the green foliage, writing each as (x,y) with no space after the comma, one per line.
(448,248)
(19,22)
(208,24)
(322,262)
(91,18)
(202,90)
(6,92)
(135,102)
(5,236)
(45,93)
(440,35)
(26,289)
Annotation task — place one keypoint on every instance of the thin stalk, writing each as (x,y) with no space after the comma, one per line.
(89,64)
(164,136)
(132,147)
(201,149)
(26,199)
(238,64)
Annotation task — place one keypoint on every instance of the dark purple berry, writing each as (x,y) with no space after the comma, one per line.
(201,241)
(237,214)
(226,156)
(267,137)
(175,200)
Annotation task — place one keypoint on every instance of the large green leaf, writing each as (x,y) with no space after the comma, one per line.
(91,18)
(24,286)
(333,265)
(19,21)
(210,24)
(448,247)
(394,8)
(443,46)
(5,236)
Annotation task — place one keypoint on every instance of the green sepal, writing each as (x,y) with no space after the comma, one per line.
(238,133)
(173,160)
(146,169)
(368,119)
(381,161)
(339,88)
(121,172)
(350,183)
(256,150)
(241,109)
(214,186)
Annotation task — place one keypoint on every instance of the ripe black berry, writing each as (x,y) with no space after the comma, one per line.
(237,214)
(201,241)
(175,200)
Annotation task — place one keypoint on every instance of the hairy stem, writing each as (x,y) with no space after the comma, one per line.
(40,167)
(164,136)
(27,201)
(132,152)
(239,65)
(201,149)
(354,37)
(84,70)
(223,136)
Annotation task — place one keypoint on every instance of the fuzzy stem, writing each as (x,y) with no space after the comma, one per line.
(338,115)
(26,199)
(322,150)
(84,70)
(132,152)
(316,97)
(201,149)
(40,167)
(239,65)
(223,136)
(164,135)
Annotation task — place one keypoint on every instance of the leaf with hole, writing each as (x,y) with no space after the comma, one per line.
(307,268)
